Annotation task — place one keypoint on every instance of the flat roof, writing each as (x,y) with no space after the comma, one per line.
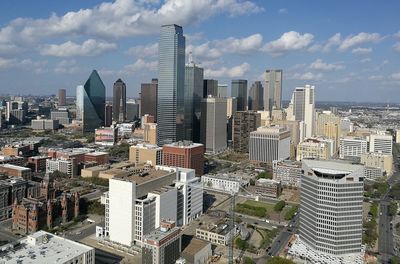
(158,234)
(151,175)
(97,153)
(15,167)
(195,246)
(55,250)
(332,166)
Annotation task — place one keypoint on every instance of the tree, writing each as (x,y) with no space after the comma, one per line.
(241,244)
(120,151)
(89,137)
(264,175)
(279,206)
(392,208)
(247,260)
(279,260)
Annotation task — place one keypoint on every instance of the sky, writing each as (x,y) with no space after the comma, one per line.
(350,50)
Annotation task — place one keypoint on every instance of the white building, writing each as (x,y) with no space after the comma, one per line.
(352,147)
(166,199)
(43,247)
(287,172)
(267,144)
(381,143)
(223,182)
(66,166)
(331,206)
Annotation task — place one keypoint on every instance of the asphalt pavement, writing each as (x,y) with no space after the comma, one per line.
(385,232)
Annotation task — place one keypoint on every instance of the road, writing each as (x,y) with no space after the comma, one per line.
(93,195)
(85,230)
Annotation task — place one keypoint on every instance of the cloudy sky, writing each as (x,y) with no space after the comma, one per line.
(350,50)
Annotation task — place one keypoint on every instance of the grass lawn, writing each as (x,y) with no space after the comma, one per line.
(268,206)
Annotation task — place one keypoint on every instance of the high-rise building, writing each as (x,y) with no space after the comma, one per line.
(381,143)
(267,144)
(256,96)
(61,97)
(331,207)
(150,133)
(223,90)
(148,96)
(239,90)
(302,108)
(213,124)
(132,111)
(108,115)
(193,94)
(210,87)
(273,90)
(79,102)
(244,122)
(324,118)
(231,108)
(94,95)
(184,154)
(352,147)
(119,101)
(171,81)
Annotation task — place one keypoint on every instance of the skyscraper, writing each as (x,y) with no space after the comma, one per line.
(108,115)
(213,124)
(94,95)
(61,97)
(119,101)
(193,94)
(239,90)
(256,96)
(148,96)
(170,95)
(79,102)
(210,88)
(302,108)
(273,90)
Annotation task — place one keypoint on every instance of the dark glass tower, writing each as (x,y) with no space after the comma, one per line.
(256,94)
(239,90)
(148,96)
(94,97)
(119,101)
(171,81)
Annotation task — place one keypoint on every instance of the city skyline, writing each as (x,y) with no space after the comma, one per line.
(307,51)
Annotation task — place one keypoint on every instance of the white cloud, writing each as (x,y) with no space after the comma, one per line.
(332,42)
(361,51)
(90,47)
(289,41)
(376,78)
(396,46)
(360,38)
(67,67)
(307,76)
(239,45)
(283,11)
(144,51)
(140,65)
(397,35)
(365,60)
(26,64)
(6,63)
(204,51)
(224,72)
(395,76)
(323,66)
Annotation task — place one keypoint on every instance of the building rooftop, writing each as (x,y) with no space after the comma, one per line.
(160,234)
(333,166)
(15,167)
(42,247)
(195,246)
(183,144)
(8,158)
(144,176)
(97,153)
(267,181)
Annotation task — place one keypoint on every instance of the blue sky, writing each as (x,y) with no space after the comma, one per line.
(348,49)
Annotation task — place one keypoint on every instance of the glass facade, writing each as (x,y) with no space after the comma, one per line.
(79,102)
(273,90)
(170,94)
(239,90)
(119,101)
(94,96)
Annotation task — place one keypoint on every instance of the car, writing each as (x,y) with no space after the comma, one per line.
(255,223)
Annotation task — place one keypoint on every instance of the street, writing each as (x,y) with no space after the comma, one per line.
(385,232)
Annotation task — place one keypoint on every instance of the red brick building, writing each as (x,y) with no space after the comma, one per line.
(99,157)
(185,154)
(37,163)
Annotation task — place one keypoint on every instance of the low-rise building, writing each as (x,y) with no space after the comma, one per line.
(198,251)
(61,116)
(224,182)
(14,160)
(378,160)
(66,166)
(16,171)
(373,173)
(268,188)
(44,124)
(315,148)
(146,153)
(217,234)
(106,136)
(43,247)
(287,172)
(37,163)
(352,147)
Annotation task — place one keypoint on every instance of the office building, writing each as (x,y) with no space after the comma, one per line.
(352,147)
(273,90)
(106,136)
(216,233)
(171,81)
(16,171)
(378,160)
(145,153)
(166,199)
(324,118)
(147,119)
(79,102)
(44,124)
(163,245)
(287,172)
(267,188)
(381,143)
(150,133)
(331,207)
(314,148)
(302,108)
(244,122)
(108,119)
(267,144)
(12,159)
(231,108)
(148,96)
(43,247)
(239,90)
(66,166)
(198,251)
(224,182)
(61,97)
(223,90)
(184,154)
(213,126)
(94,94)
(61,115)
(256,93)
(119,101)
(210,87)
(132,111)
(193,94)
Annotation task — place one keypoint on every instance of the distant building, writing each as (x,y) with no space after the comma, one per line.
(14,160)
(119,101)
(267,144)
(57,249)
(273,90)
(239,90)
(184,154)
(381,143)
(268,188)
(225,182)
(255,101)
(142,153)
(61,97)
(148,96)
(108,115)
(378,160)
(37,163)
(132,111)
(210,87)
(352,147)
(150,133)
(244,122)
(222,90)
(60,115)
(288,172)
(106,136)
(314,148)
(66,166)
(45,124)
(16,171)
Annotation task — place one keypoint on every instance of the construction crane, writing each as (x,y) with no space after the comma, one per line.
(232,196)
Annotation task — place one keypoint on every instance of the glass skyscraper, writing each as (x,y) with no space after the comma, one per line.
(79,102)
(119,101)
(273,90)
(170,94)
(239,90)
(94,97)
(193,94)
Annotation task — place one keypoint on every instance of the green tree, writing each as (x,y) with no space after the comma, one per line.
(89,137)
(247,260)
(279,260)
(241,244)
(290,213)
(392,208)
(265,175)
(395,260)
(279,206)
(120,151)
